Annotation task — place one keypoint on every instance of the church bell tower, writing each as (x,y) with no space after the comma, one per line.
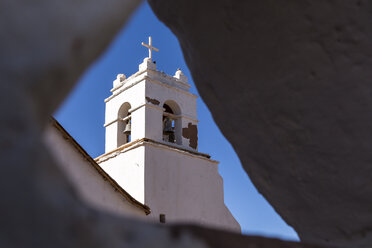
(151,105)
(151,148)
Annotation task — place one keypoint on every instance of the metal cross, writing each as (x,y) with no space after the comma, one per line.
(150,47)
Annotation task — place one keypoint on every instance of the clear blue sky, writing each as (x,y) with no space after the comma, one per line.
(82,115)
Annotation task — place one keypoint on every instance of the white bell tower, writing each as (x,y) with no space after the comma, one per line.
(151,148)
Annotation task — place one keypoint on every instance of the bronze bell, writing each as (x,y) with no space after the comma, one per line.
(127,129)
(168,129)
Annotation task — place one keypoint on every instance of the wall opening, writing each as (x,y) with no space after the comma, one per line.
(124,125)
(162,218)
(171,122)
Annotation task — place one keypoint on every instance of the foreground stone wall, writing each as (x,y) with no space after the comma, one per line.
(46,45)
(295,78)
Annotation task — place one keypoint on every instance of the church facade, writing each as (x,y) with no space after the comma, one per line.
(151,151)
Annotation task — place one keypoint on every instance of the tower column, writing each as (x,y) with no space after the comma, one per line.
(147,122)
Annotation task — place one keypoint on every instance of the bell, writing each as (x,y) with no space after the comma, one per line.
(127,129)
(168,129)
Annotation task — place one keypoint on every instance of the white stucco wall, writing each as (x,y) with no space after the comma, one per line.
(89,184)
(186,188)
(128,170)
(183,186)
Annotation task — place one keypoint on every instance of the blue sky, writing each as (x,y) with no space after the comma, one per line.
(82,115)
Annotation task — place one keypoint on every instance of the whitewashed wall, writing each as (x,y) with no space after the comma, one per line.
(186,188)
(89,184)
(128,170)
(183,186)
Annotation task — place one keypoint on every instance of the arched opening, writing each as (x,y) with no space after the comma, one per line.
(171,122)
(124,124)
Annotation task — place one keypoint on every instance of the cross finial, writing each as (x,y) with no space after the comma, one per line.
(150,47)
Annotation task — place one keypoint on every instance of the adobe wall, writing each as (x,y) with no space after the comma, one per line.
(91,186)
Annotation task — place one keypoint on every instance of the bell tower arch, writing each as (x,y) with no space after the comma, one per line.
(124,125)
(172,123)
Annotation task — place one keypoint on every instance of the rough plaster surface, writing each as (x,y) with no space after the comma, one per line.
(90,185)
(153,101)
(289,84)
(191,132)
(45,47)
